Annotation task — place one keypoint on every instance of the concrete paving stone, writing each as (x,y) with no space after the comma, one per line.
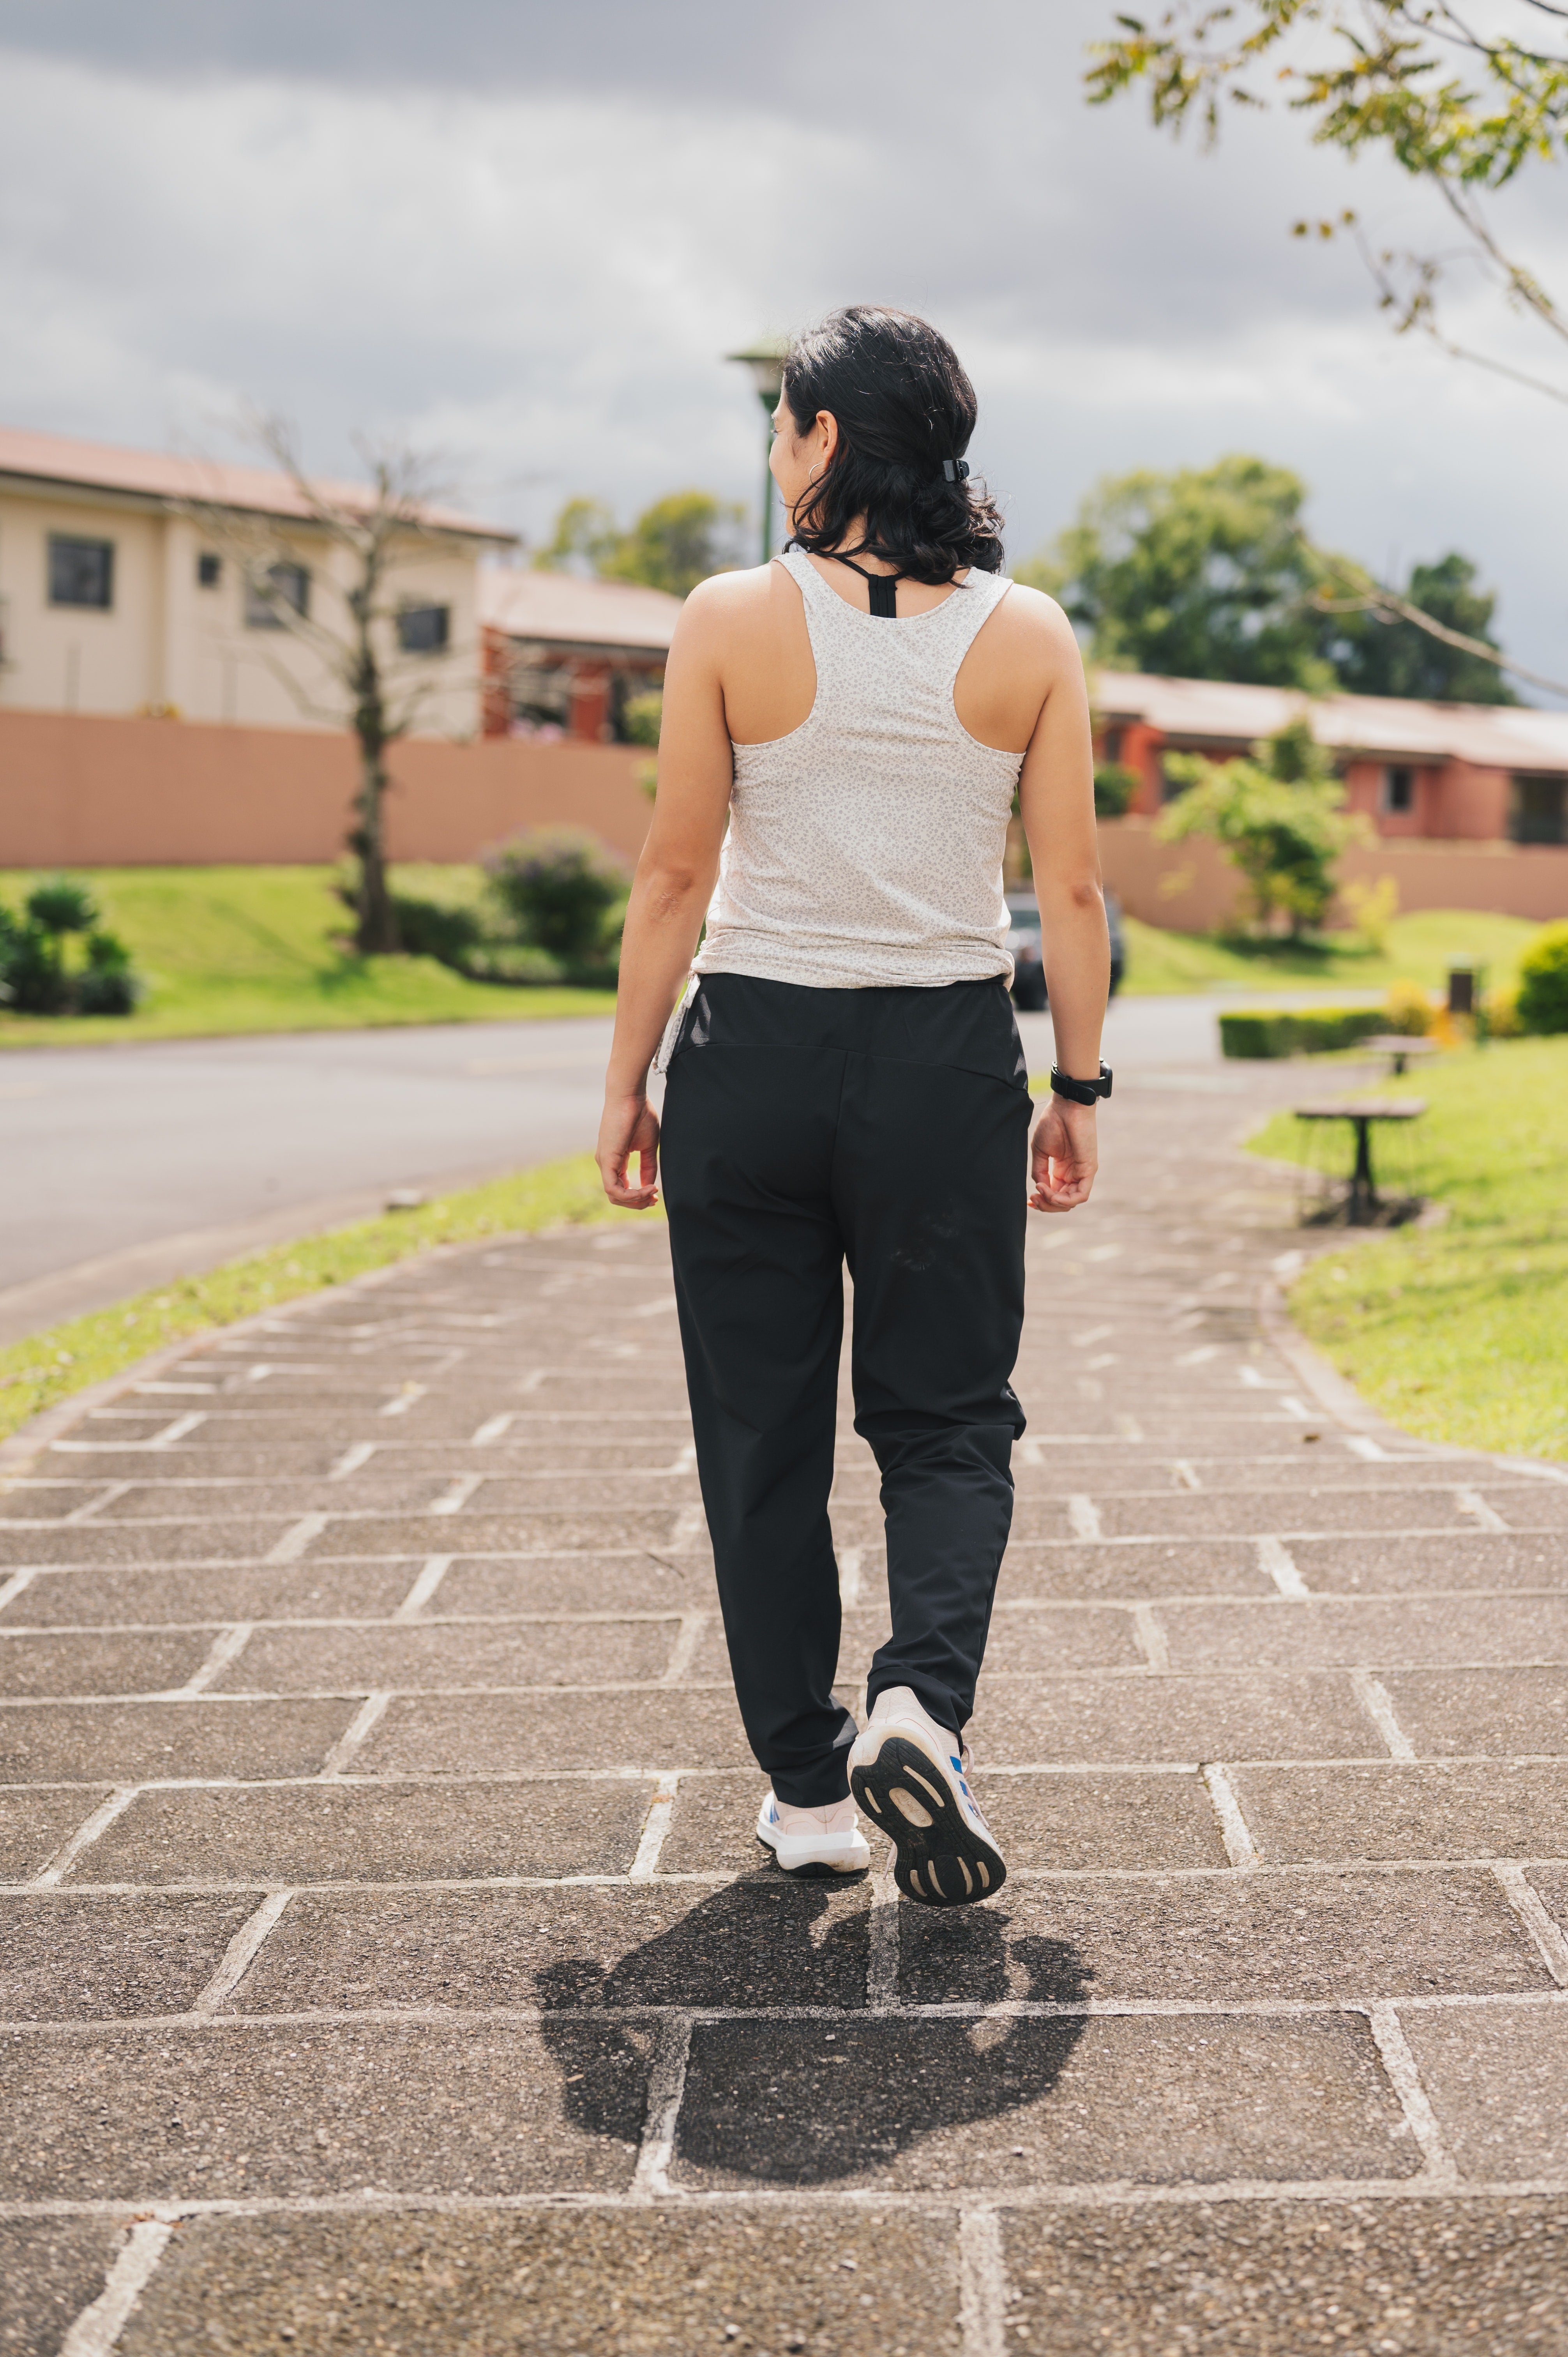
(237,1539)
(530,1653)
(220,1595)
(540,1533)
(1551,1883)
(1192,1567)
(711,1829)
(541,2283)
(100,1665)
(46,1502)
(1225,1938)
(70,1956)
(1025,1639)
(593,1492)
(52,2268)
(757,1943)
(1021,1721)
(244,2107)
(282,1833)
(1242,1512)
(1509,1711)
(1013,2101)
(1495,1808)
(1527,1505)
(1288,1634)
(534,1732)
(33,1823)
(125,1742)
(1495,2077)
(1072,1822)
(585,1447)
(1420,2278)
(632,1580)
(1480,1559)
(393,1491)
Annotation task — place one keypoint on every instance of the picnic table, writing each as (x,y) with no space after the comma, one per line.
(1400,1046)
(1361,1112)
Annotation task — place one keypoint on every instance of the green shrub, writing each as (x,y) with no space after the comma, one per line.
(434,929)
(1542,1003)
(560,886)
(1408,1009)
(108,985)
(62,906)
(640,716)
(35,978)
(1115,787)
(1298,1031)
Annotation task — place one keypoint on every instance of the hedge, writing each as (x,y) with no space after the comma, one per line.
(1298,1031)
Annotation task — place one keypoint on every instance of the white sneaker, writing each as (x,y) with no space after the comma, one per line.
(813,1842)
(908,1774)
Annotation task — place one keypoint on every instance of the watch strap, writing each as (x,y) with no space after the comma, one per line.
(1087,1092)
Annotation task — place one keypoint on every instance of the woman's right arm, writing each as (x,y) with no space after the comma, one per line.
(673,885)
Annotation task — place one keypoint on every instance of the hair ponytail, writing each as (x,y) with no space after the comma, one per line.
(905,411)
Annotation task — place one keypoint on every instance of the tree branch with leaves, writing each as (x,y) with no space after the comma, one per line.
(1460,109)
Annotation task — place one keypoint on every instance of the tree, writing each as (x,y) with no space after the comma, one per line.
(1461,106)
(1394,656)
(1280,819)
(673,544)
(378,532)
(1202,573)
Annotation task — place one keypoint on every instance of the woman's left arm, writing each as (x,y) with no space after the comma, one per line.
(671,892)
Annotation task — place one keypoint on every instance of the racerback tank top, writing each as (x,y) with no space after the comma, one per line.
(865,848)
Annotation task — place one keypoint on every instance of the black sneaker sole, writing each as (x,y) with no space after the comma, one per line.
(942,1863)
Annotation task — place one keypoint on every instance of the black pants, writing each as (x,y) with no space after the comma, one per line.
(887,1128)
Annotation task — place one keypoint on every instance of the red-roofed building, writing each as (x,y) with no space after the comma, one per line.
(124,591)
(562,655)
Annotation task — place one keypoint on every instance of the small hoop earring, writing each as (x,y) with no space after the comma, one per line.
(811,478)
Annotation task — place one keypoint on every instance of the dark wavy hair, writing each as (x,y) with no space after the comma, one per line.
(903,406)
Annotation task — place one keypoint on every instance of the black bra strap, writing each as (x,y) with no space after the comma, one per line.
(884,587)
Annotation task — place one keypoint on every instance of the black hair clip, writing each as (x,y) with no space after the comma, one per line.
(955,470)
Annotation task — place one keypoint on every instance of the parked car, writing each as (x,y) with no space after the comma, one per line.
(1029,965)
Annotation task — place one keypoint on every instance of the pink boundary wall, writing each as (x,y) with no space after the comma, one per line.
(1191,886)
(82,791)
(78,792)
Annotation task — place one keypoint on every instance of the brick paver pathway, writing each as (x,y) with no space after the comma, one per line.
(388,1965)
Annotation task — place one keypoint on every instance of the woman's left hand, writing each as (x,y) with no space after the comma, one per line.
(630,1127)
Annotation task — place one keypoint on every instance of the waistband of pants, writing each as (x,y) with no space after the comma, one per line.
(968,1026)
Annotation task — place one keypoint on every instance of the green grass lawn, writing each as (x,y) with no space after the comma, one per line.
(1460,1333)
(1421,948)
(50,1366)
(259,948)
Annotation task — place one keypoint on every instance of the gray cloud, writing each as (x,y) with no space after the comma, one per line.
(530,233)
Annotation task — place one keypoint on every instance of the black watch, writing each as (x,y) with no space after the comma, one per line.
(1081,1092)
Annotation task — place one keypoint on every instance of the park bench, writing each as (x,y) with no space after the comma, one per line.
(1363,1201)
(1400,1046)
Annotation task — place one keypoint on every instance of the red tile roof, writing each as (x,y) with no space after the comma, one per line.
(1198,711)
(158,476)
(564,608)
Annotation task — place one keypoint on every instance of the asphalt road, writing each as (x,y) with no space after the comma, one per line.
(124,1167)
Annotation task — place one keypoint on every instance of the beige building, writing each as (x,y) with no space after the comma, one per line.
(129,585)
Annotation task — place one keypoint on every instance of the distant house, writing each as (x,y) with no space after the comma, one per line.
(562,655)
(1453,772)
(122,592)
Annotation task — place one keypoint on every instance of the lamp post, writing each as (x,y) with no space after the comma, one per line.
(766,366)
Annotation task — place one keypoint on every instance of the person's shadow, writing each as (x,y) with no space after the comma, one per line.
(806,2102)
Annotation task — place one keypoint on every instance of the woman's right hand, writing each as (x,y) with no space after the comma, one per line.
(630,1127)
(1063,1156)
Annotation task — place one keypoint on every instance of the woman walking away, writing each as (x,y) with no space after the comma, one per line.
(846,1082)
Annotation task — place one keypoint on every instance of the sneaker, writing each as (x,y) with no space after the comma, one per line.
(908,1774)
(812,1842)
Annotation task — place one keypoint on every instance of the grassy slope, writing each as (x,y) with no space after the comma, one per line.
(251,949)
(1420,949)
(1460,1333)
(50,1366)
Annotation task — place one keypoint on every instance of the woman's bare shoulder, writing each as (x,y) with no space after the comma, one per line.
(728,608)
(1033,612)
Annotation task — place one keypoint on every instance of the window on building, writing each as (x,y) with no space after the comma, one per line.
(424,629)
(208,570)
(1399,792)
(279,585)
(1538,811)
(81,572)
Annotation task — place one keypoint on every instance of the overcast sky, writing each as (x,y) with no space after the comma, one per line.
(525,234)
